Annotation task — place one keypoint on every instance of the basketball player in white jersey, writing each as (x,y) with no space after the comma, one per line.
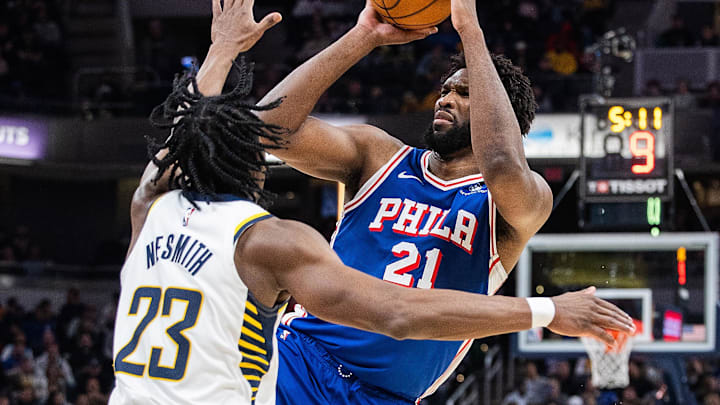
(209,270)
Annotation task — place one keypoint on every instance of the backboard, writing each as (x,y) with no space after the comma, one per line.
(668,284)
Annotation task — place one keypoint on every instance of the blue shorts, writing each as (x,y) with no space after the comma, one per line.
(310,375)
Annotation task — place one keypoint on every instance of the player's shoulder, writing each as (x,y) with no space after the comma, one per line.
(377,146)
(274,234)
(376,142)
(278,243)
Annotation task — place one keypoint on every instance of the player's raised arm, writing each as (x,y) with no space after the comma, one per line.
(233,30)
(304,265)
(316,147)
(523,197)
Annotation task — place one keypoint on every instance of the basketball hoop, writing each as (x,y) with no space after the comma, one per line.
(609,365)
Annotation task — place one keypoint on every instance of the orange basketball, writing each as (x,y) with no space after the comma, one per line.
(413,14)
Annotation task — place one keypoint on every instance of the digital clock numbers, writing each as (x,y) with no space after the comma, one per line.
(626,149)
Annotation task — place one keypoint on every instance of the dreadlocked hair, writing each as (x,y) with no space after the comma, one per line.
(217,143)
(516,84)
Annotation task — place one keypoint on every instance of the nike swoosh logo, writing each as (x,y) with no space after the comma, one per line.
(404,175)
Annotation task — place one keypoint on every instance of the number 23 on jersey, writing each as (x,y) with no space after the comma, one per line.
(156,296)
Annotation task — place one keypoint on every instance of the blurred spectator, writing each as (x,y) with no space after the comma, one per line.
(354,100)
(379,103)
(40,321)
(537,387)
(23,246)
(14,314)
(159,51)
(683,99)
(677,35)
(24,376)
(410,103)
(711,100)
(712,97)
(562,59)
(515,397)
(711,399)
(652,88)
(708,385)
(446,36)
(629,396)
(434,64)
(556,394)
(549,83)
(13,354)
(26,396)
(57,398)
(639,377)
(709,37)
(595,14)
(544,102)
(94,393)
(53,360)
(47,30)
(71,310)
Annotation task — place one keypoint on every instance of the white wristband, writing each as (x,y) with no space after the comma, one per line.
(543,311)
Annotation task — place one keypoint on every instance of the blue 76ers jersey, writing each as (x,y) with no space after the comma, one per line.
(409,227)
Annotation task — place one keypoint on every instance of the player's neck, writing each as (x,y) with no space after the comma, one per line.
(454,166)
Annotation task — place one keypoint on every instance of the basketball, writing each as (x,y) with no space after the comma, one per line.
(413,14)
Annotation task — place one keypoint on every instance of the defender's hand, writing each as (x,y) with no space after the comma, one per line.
(463,14)
(581,313)
(234,26)
(382,33)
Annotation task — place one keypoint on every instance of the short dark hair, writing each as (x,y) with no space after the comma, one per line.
(216,142)
(516,84)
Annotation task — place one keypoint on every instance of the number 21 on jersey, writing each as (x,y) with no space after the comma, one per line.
(397,272)
(193,299)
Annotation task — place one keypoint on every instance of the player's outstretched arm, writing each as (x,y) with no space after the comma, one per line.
(295,259)
(523,198)
(233,30)
(316,147)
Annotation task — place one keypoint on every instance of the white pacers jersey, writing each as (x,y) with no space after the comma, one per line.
(187,330)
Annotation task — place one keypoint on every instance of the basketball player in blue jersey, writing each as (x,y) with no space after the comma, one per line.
(208,270)
(456,216)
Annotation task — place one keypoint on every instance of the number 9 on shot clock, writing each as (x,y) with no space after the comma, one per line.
(626,149)
(627,155)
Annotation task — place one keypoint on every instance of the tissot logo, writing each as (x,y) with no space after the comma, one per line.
(627,187)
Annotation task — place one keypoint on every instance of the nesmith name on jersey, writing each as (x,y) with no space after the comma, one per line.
(418,219)
(184,250)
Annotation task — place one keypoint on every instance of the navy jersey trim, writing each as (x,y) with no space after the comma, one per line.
(248,223)
(195,196)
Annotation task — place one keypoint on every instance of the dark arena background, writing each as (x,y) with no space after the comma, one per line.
(627,135)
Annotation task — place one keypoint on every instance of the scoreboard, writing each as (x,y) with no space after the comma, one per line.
(626,150)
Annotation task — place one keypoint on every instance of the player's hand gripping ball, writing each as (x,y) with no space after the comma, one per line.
(413,14)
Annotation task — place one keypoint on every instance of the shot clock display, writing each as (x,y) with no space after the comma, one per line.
(626,150)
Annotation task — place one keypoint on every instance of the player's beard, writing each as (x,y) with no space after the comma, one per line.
(455,139)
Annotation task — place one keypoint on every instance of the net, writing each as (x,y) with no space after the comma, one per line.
(609,365)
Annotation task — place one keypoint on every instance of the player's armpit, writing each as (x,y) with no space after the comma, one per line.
(337,153)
